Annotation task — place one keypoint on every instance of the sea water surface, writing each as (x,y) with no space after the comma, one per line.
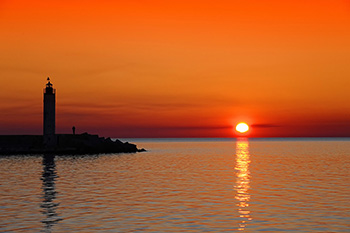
(183,185)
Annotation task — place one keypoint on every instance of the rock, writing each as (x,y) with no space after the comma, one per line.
(65,144)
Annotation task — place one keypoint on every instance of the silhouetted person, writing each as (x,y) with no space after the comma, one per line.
(73,128)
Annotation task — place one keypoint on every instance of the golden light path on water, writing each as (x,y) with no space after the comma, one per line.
(242,181)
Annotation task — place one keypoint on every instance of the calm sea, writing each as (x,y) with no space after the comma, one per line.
(182,185)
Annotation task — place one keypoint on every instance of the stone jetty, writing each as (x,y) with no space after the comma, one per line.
(65,144)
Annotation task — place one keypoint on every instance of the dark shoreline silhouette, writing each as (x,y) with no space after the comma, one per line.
(66,144)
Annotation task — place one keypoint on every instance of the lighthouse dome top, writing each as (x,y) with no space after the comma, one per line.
(48,89)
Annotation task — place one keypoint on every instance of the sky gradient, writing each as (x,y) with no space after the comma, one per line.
(177,68)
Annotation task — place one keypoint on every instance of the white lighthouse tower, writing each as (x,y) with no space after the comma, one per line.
(49,115)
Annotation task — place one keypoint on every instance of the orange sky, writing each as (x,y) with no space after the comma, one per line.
(177,68)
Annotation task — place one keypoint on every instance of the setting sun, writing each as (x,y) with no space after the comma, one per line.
(242,127)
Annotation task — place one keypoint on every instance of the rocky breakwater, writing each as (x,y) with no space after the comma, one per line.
(65,144)
(87,144)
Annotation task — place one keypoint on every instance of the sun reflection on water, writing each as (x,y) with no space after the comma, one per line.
(242,181)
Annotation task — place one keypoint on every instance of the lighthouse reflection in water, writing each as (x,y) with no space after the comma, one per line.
(242,181)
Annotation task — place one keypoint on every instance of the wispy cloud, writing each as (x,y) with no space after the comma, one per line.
(264,125)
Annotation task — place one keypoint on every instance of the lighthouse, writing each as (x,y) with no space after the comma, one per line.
(49,116)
